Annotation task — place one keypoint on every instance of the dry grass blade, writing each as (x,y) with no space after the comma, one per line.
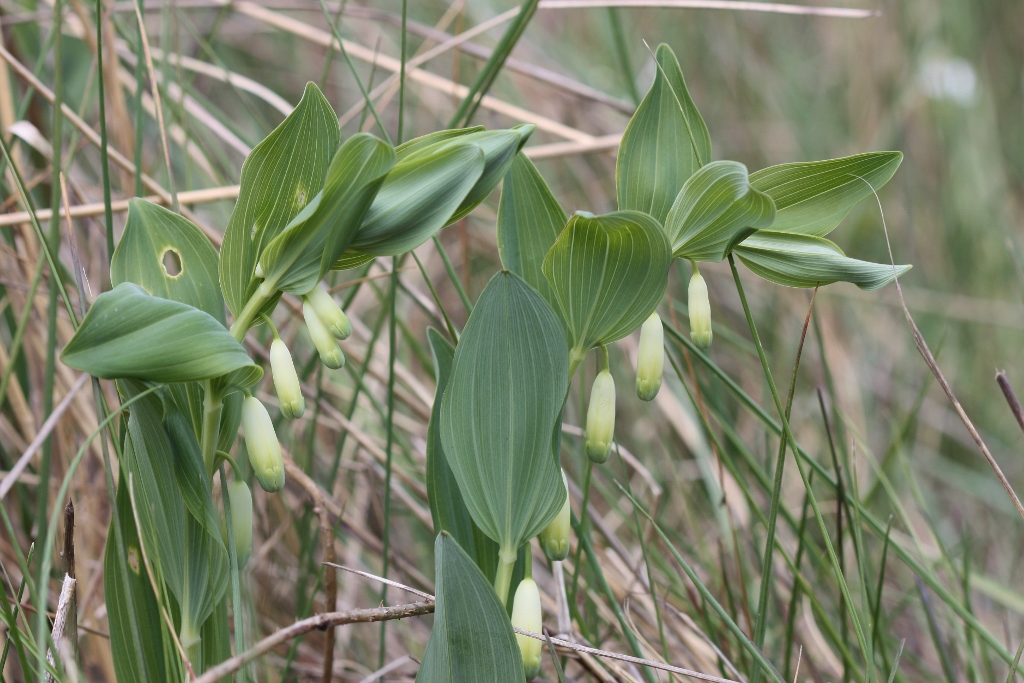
(929,359)
(1011,397)
(738,6)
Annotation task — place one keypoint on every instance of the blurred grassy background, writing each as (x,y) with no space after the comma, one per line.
(940,80)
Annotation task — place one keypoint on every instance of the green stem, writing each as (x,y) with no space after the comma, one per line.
(503,577)
(213,404)
(251,309)
(787,434)
(576,356)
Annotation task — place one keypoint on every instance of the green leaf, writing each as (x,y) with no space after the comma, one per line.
(529,221)
(280,176)
(137,656)
(812,198)
(472,638)
(714,211)
(665,142)
(128,333)
(352,259)
(808,261)
(302,254)
(508,382)
(149,460)
(154,236)
(447,507)
(417,199)
(608,272)
(500,149)
(411,147)
(190,471)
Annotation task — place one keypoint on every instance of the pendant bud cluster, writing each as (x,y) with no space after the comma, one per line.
(601,418)
(526,614)
(554,539)
(650,362)
(262,444)
(700,311)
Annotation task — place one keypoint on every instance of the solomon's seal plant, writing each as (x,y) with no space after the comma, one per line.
(309,203)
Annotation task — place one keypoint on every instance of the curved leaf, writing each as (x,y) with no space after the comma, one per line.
(447,507)
(410,147)
(812,198)
(808,261)
(665,142)
(302,254)
(417,199)
(714,211)
(280,176)
(529,221)
(128,333)
(472,638)
(352,259)
(142,256)
(507,385)
(500,148)
(608,272)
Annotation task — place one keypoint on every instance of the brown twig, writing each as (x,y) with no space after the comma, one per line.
(318,622)
(1011,398)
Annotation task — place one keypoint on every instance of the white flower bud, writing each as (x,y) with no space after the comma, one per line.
(286,381)
(526,614)
(700,312)
(601,417)
(325,343)
(650,362)
(555,537)
(240,502)
(330,313)
(261,442)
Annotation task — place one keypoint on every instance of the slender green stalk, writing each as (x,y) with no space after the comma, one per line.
(108,213)
(503,577)
(10,617)
(452,275)
(773,513)
(236,592)
(492,68)
(862,640)
(53,244)
(388,448)
(213,406)
(622,51)
(401,75)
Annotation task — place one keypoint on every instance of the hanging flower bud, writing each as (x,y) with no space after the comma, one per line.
(330,313)
(240,502)
(526,614)
(650,362)
(601,417)
(327,345)
(286,381)
(261,442)
(555,537)
(700,311)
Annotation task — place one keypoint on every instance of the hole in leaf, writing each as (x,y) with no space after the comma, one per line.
(172,263)
(133,559)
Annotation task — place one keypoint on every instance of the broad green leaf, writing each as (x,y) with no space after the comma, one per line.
(128,333)
(137,655)
(206,567)
(280,176)
(714,211)
(507,386)
(665,142)
(190,471)
(808,261)
(352,259)
(608,273)
(472,638)
(410,147)
(216,634)
(155,236)
(302,254)
(149,460)
(417,199)
(447,507)
(812,198)
(500,149)
(529,221)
